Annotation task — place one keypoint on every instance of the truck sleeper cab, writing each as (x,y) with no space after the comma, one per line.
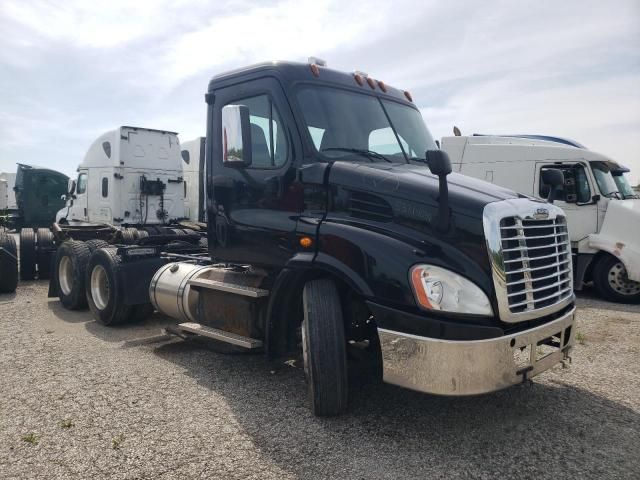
(129,176)
(328,231)
(602,210)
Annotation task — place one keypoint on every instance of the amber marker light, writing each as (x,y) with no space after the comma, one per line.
(382,86)
(315,70)
(306,242)
(408,95)
(358,78)
(418,287)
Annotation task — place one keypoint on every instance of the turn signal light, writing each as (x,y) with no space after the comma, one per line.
(306,242)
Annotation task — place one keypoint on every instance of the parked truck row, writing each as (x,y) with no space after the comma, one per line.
(602,210)
(331,233)
(132,183)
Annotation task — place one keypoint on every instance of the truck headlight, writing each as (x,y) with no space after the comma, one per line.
(436,288)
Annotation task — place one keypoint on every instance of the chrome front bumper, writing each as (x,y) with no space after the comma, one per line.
(446,367)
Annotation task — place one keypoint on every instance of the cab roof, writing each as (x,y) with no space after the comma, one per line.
(290,73)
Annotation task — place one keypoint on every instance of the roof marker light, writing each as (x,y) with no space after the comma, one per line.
(317,61)
(382,86)
(358,78)
(315,70)
(371,83)
(408,95)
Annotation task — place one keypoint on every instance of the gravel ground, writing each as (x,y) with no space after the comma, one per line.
(78,400)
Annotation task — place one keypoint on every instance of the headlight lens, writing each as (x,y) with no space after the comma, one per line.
(436,288)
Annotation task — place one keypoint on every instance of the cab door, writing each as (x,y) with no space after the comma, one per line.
(577,197)
(78,211)
(254,209)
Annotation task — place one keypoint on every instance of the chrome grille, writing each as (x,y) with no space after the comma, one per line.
(537,262)
(530,255)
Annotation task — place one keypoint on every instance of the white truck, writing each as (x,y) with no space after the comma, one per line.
(129,176)
(193,168)
(603,211)
(4,194)
(10,178)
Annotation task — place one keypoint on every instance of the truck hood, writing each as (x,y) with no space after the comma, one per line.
(620,234)
(415,183)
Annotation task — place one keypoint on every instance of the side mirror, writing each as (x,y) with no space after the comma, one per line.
(185,156)
(438,162)
(236,136)
(440,165)
(71,189)
(554,178)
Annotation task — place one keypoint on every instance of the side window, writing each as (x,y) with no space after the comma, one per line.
(583,191)
(316,135)
(105,187)
(268,142)
(576,185)
(82,184)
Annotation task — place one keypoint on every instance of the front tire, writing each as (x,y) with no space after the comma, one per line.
(324,348)
(612,282)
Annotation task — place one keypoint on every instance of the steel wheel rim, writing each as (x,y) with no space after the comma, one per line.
(100,287)
(619,280)
(65,275)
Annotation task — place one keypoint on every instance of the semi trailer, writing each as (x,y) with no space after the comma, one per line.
(336,229)
(602,210)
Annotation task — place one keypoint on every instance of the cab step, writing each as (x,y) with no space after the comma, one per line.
(216,334)
(228,287)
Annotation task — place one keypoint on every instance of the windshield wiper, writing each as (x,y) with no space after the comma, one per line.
(370,154)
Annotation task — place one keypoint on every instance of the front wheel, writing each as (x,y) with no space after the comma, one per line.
(324,348)
(612,281)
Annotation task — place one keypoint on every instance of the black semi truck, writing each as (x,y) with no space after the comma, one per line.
(336,228)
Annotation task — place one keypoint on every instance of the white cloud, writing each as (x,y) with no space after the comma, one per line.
(71,69)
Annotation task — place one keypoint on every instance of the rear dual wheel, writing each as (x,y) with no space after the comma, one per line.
(27,254)
(44,252)
(104,291)
(8,263)
(71,262)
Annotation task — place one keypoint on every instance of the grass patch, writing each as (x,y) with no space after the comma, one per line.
(116,442)
(31,438)
(580,338)
(67,423)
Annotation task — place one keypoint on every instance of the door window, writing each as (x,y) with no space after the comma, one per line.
(268,141)
(576,184)
(82,184)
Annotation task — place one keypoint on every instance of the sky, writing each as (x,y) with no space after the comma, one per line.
(71,70)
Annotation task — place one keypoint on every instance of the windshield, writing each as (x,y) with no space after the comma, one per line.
(623,185)
(604,179)
(352,126)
